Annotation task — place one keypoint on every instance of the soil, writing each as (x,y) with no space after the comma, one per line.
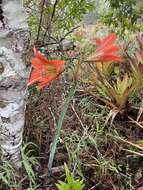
(43,111)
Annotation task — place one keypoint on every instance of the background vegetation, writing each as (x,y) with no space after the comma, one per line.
(100,138)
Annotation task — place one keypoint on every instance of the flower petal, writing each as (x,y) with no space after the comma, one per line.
(107,41)
(109,57)
(111,49)
(98,41)
(58,64)
(46,80)
(39,55)
(34,77)
(36,63)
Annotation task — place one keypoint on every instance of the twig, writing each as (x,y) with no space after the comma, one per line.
(128,142)
(54,9)
(41,18)
(49,22)
(133,152)
(140,111)
(77,116)
(133,121)
(69,32)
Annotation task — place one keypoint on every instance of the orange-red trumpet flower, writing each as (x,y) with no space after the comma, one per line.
(106,50)
(44,71)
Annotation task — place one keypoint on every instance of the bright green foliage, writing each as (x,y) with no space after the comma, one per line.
(71,183)
(73,12)
(28,161)
(58,18)
(124,15)
(7,175)
(117,93)
(121,85)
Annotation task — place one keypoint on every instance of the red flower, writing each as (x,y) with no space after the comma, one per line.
(106,49)
(44,71)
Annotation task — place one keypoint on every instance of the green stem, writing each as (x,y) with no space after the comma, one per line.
(59,126)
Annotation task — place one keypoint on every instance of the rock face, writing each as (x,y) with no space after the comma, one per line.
(14,43)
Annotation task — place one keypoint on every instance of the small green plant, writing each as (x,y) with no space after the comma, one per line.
(8,176)
(116,95)
(28,161)
(11,178)
(71,183)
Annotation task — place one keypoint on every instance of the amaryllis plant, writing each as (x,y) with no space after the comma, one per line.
(43,72)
